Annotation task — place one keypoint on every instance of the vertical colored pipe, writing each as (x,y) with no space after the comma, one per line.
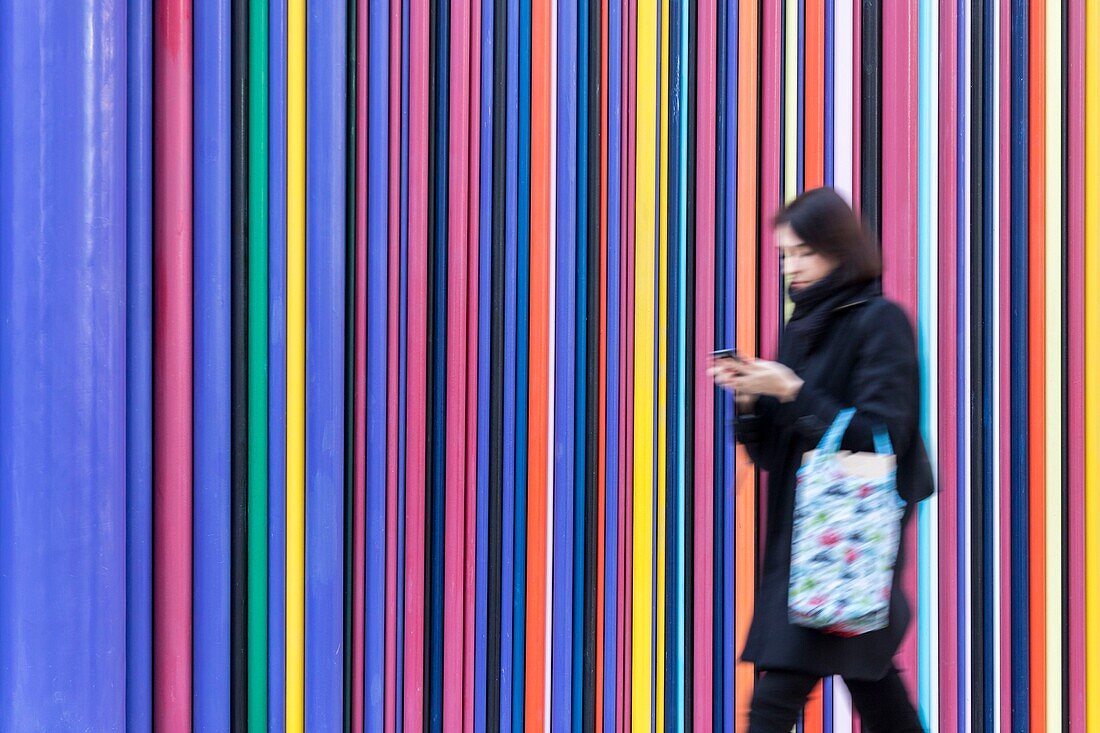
(1092,366)
(1036,366)
(455,560)
(857,113)
(580,400)
(496,187)
(702,388)
(512,530)
(983,366)
(593,316)
(416,377)
(535,703)
(814,103)
(675,295)
(759,73)
(484,228)
(870,111)
(474,403)
(843,98)
(1019,366)
(395,343)
(295,365)
(276,356)
(947,350)
(257,363)
(552,376)
(604,293)
(839,147)
(1076,597)
(631,217)
(899,223)
(361,598)
(238,543)
(1052,355)
(63,365)
(437,277)
(375,74)
(483,448)
(664,693)
(830,111)
(626,239)
(354,564)
(964,570)
(799,111)
(172,233)
(614,362)
(212,262)
(523,334)
(927,349)
(139,365)
(728,241)
(326,33)
(642,682)
(399,66)
(1002,648)
(566,266)
(828,684)
(790,77)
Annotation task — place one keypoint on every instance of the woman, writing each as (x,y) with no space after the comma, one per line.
(843,346)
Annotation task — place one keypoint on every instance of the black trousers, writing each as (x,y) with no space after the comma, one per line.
(883,705)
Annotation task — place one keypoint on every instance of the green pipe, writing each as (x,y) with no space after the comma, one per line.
(257,366)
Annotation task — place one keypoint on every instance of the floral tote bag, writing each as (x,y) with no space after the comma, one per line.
(847,526)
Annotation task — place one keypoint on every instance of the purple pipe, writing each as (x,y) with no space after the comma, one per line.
(63,237)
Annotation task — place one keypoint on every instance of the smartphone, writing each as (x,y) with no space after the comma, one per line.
(727,354)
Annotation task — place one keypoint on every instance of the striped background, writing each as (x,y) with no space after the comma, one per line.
(396,314)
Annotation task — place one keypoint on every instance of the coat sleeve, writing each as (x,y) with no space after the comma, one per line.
(756,431)
(887,391)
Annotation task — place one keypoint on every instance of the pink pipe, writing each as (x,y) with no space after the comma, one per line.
(417,361)
(172,356)
(392,386)
(703,387)
(458,255)
(899,228)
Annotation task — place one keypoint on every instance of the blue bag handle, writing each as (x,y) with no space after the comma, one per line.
(830,441)
(882,442)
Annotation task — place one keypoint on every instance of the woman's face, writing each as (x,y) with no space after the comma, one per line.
(802,266)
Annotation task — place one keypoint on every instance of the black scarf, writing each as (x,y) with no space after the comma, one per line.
(814,307)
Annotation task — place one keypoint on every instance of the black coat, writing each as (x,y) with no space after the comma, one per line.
(864,357)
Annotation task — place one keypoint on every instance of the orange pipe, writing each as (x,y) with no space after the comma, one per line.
(814,715)
(814,142)
(745,476)
(1036,363)
(535,686)
(815,98)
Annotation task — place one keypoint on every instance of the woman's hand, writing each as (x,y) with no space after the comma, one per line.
(756,377)
(724,372)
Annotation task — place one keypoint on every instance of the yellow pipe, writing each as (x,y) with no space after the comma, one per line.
(645,270)
(662,369)
(295,366)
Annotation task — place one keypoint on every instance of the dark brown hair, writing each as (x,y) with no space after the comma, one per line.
(825,222)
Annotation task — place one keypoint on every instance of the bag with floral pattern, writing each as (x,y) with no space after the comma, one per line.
(847,526)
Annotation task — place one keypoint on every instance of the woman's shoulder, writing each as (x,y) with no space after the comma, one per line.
(881,324)
(879,313)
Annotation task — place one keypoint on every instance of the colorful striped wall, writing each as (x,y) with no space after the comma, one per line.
(352,353)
